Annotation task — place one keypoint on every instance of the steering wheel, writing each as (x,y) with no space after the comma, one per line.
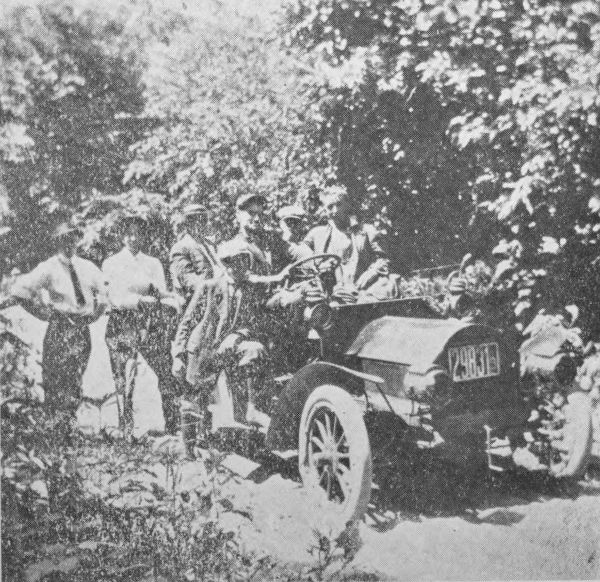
(312,266)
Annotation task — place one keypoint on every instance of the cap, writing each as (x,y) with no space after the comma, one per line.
(65,229)
(194,210)
(457,285)
(244,200)
(291,212)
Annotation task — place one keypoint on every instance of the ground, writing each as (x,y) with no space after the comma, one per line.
(426,522)
(509,527)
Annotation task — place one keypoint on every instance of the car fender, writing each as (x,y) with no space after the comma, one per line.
(285,421)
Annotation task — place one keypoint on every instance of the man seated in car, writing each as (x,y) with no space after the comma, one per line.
(363,259)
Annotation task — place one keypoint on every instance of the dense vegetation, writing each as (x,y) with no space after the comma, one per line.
(455,124)
(465,122)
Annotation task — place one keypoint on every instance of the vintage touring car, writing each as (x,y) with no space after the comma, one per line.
(461,390)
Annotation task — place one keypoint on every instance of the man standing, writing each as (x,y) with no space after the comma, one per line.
(250,266)
(356,244)
(69,292)
(202,284)
(142,309)
(194,270)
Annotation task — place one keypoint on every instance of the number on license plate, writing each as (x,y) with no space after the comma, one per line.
(472,362)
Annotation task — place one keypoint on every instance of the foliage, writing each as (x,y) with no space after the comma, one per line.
(70,98)
(100,99)
(233,115)
(485,110)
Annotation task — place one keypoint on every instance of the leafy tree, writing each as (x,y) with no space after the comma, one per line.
(469,120)
(234,115)
(70,98)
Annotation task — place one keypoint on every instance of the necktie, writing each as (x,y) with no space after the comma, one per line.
(76,285)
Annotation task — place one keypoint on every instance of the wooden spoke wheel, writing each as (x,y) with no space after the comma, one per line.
(568,432)
(335,454)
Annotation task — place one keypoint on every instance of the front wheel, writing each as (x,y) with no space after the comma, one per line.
(335,455)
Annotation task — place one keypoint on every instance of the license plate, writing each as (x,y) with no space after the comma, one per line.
(473,362)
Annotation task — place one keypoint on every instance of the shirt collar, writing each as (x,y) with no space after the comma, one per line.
(65,260)
(127,253)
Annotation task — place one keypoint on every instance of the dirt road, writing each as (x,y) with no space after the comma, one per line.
(435,524)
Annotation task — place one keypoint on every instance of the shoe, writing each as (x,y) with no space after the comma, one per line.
(255,416)
(178,368)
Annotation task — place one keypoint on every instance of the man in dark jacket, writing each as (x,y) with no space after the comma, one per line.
(193,267)
(356,244)
(200,279)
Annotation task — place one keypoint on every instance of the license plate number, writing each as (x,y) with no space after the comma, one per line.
(473,362)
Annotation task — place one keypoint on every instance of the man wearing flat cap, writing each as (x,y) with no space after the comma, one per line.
(250,265)
(70,293)
(289,248)
(202,283)
(141,308)
(458,303)
(194,268)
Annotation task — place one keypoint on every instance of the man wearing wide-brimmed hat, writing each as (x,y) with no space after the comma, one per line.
(141,309)
(69,292)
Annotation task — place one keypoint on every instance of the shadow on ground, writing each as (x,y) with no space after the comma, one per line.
(419,486)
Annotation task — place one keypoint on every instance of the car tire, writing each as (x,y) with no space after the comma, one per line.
(574,440)
(334,457)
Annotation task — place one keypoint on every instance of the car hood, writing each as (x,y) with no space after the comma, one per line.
(413,342)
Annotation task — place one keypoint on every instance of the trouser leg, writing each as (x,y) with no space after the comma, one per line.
(121,339)
(196,419)
(160,361)
(65,356)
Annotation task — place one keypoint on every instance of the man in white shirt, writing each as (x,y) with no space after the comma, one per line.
(70,293)
(141,318)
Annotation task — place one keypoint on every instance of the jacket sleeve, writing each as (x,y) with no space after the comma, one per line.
(309,239)
(375,243)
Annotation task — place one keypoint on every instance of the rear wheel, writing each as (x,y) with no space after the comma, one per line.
(568,432)
(335,455)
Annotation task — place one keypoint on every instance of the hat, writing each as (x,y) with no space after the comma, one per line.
(333,193)
(457,285)
(194,210)
(65,229)
(126,220)
(244,200)
(291,212)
